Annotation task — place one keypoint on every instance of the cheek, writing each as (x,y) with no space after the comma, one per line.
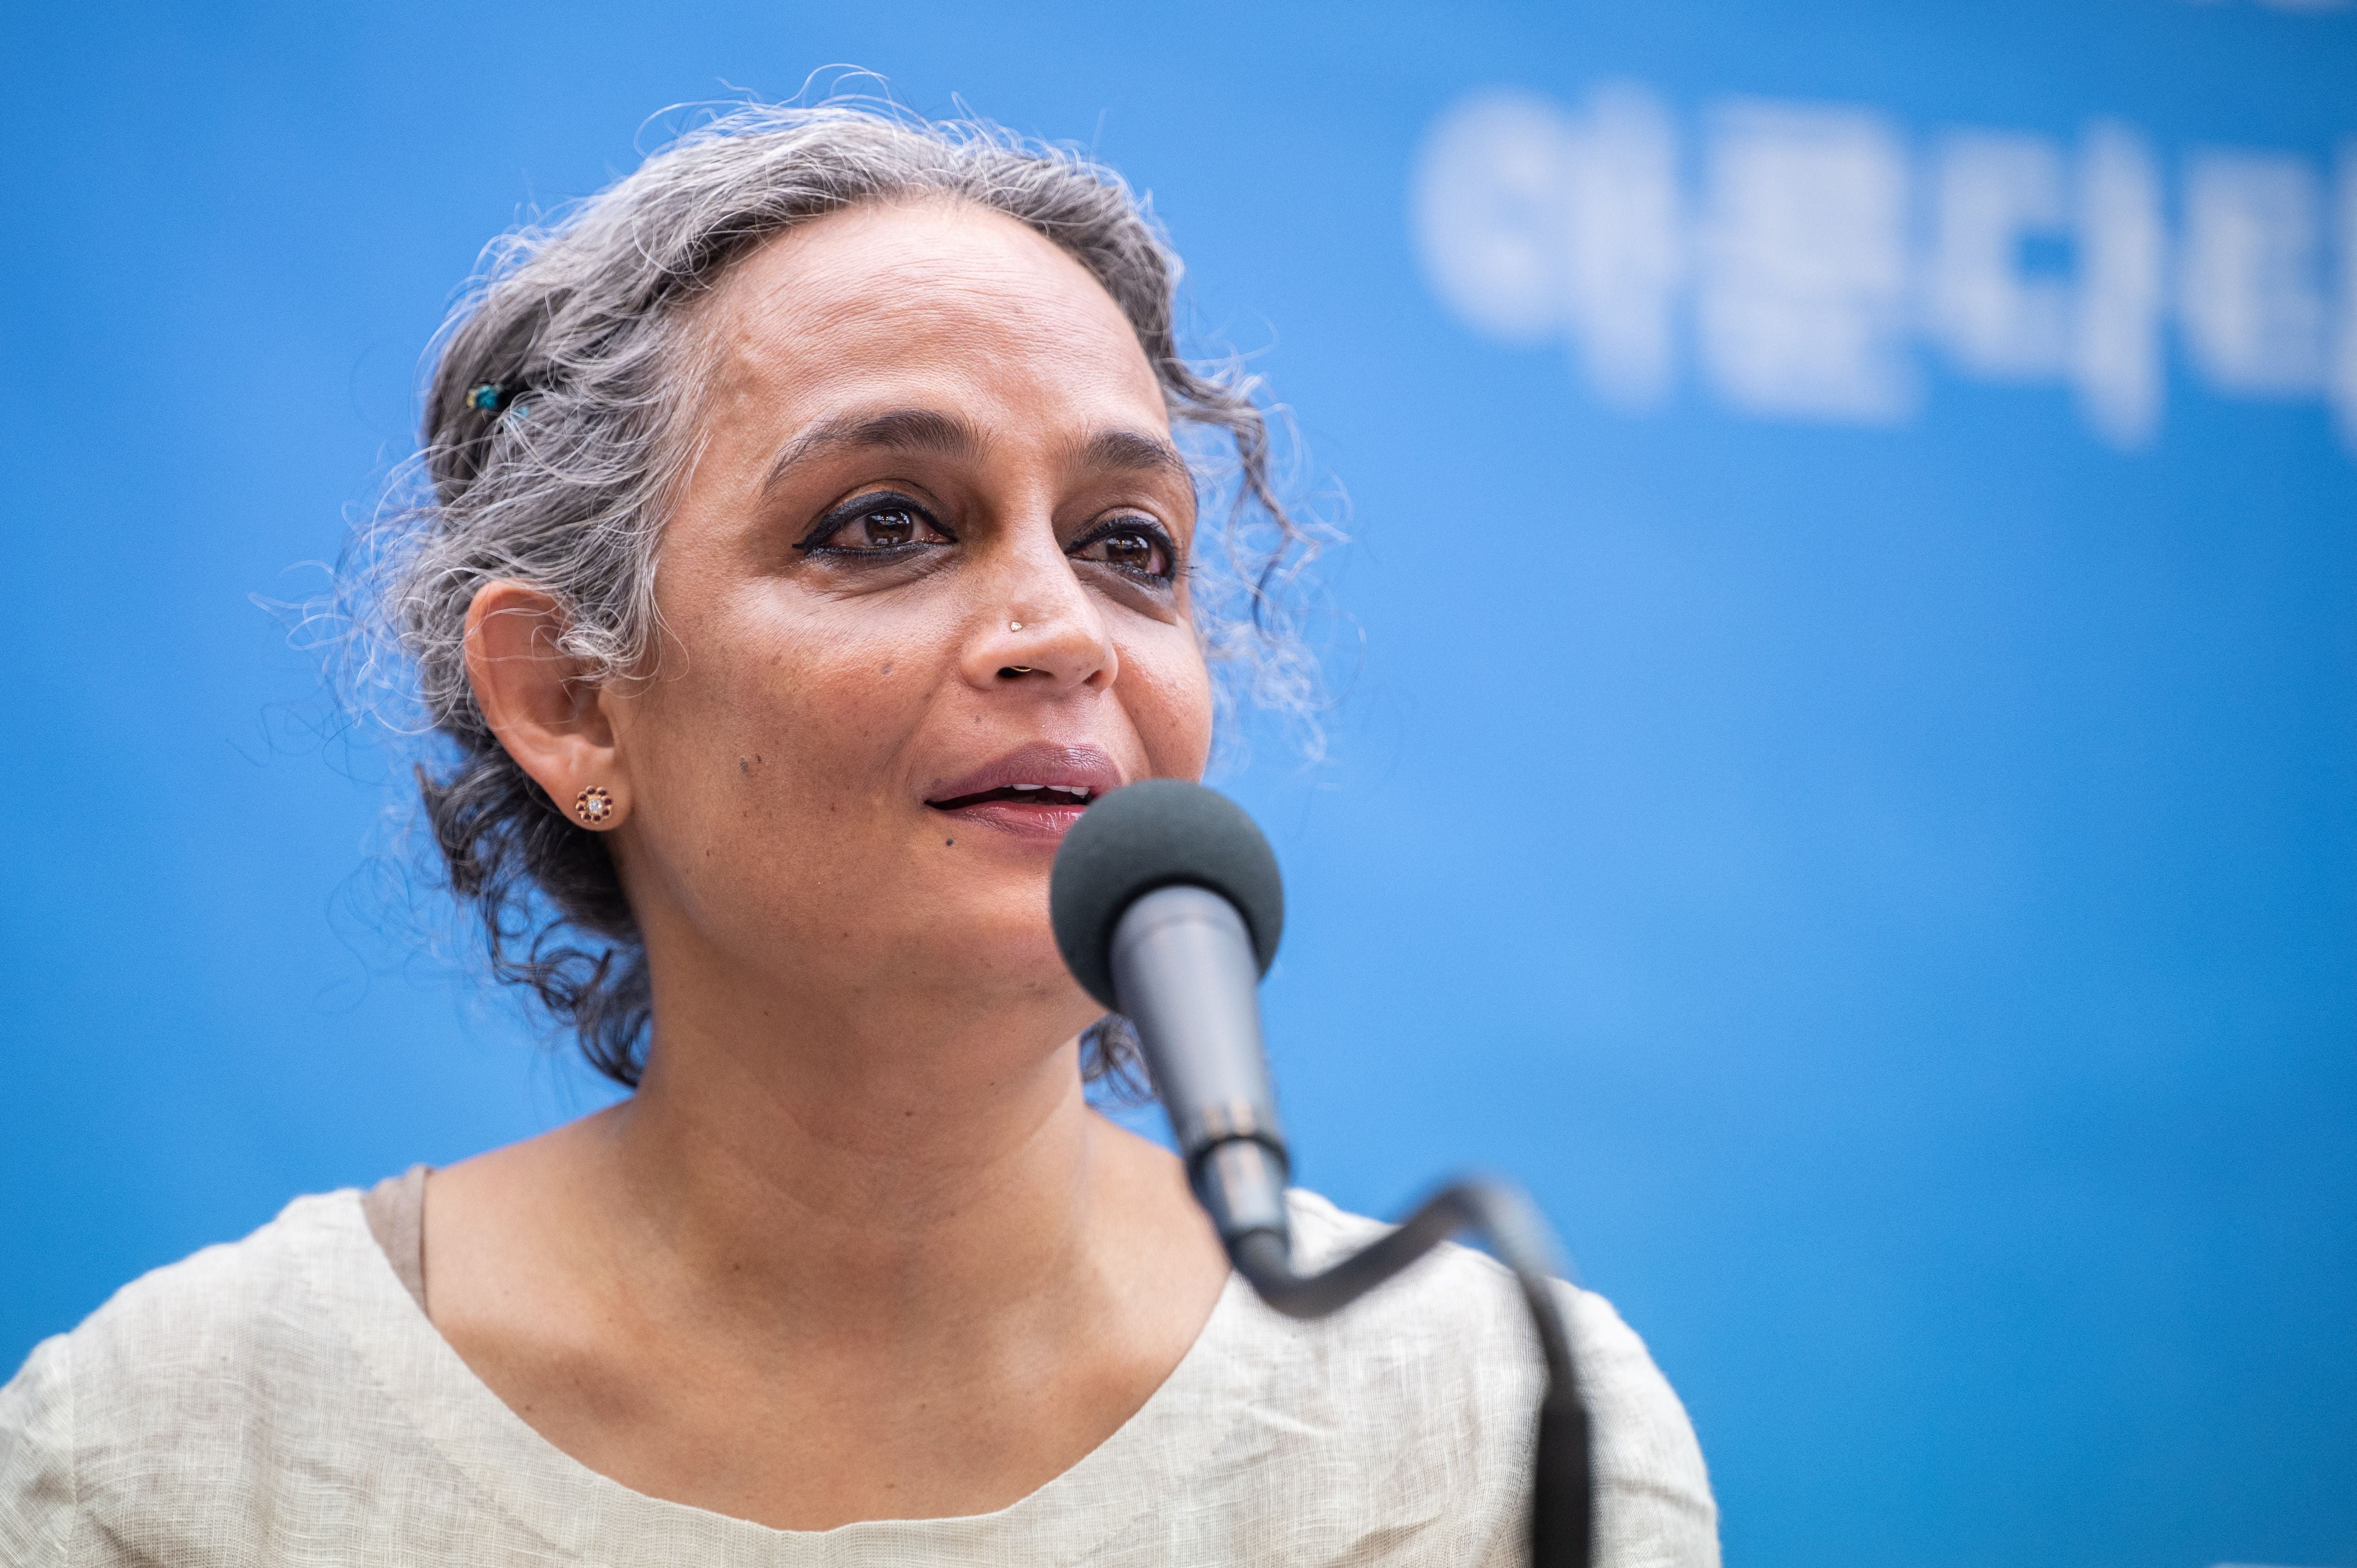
(770,718)
(1169,702)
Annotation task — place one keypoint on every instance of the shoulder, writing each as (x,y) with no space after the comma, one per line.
(194,1385)
(254,1306)
(1447,1352)
(1464,1306)
(37,1478)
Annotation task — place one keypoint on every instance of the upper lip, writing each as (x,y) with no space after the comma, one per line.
(1067,768)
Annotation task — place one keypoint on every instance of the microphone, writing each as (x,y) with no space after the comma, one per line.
(1167,906)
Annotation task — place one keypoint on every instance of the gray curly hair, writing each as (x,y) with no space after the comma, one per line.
(558,423)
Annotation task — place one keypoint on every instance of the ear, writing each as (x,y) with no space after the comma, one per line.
(539,702)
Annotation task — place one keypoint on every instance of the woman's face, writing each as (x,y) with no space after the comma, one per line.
(924,592)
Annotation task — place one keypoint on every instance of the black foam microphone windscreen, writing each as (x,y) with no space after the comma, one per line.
(1159,832)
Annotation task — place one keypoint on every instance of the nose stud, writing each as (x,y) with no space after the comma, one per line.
(1015,625)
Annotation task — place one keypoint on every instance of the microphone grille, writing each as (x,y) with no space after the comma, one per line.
(1157,832)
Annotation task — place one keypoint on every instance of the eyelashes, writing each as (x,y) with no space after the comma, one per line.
(1134,545)
(887,525)
(879,523)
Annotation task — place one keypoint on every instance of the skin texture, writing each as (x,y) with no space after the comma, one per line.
(857,1248)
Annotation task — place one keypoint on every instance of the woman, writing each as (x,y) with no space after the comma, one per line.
(810,541)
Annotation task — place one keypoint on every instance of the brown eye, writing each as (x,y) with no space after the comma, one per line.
(875,524)
(1137,548)
(886,530)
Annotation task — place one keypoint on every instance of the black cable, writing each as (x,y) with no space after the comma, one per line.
(1561,1512)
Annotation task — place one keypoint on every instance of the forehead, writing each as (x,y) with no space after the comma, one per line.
(921,302)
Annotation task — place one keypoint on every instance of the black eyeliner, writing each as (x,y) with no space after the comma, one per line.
(1137,522)
(836,518)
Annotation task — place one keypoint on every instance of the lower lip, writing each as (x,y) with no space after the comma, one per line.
(1045,823)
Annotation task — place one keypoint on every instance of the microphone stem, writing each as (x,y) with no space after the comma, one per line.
(1562,1522)
(1491,1208)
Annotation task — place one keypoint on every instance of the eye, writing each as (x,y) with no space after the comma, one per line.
(886,530)
(874,524)
(1136,544)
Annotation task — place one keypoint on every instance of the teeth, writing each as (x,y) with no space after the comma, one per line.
(1079,792)
(1026,787)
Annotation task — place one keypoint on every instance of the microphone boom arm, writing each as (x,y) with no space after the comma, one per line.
(1183,968)
(1562,1526)
(1167,906)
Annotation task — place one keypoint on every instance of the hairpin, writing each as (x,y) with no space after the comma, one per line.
(491,397)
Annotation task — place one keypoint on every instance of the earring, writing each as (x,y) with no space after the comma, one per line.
(593,805)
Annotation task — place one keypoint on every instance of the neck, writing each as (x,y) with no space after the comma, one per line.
(881,1261)
(862,1168)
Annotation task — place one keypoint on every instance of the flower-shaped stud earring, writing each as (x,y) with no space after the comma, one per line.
(593,805)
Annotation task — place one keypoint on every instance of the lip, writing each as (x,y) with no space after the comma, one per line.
(1037,762)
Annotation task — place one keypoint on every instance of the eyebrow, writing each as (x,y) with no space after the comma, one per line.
(946,435)
(900,430)
(1132,452)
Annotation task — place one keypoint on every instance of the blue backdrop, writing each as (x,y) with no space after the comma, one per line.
(1844,774)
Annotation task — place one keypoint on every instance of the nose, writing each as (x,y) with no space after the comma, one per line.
(1035,624)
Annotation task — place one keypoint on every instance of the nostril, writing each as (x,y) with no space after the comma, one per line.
(1013,671)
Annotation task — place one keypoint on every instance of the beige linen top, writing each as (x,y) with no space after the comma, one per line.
(283,1400)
